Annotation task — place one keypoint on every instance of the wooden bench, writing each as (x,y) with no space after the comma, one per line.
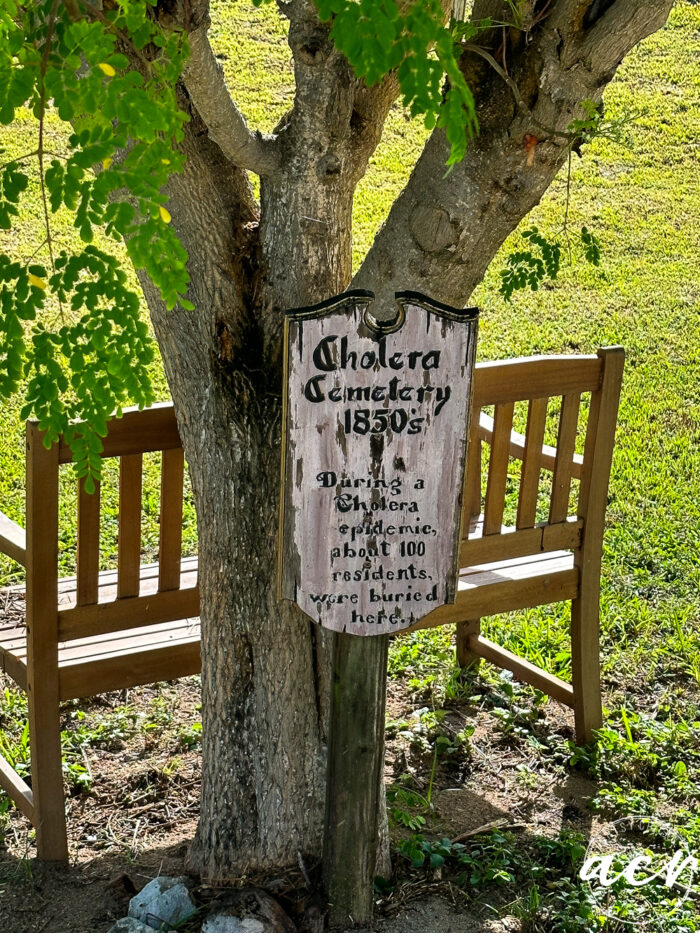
(104,631)
(96,631)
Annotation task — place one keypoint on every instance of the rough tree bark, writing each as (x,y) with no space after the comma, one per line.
(265,667)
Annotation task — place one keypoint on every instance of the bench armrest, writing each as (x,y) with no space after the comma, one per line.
(517,447)
(13,540)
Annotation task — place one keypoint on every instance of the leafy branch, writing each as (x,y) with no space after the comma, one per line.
(126,129)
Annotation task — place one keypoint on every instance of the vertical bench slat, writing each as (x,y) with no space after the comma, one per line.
(471,501)
(171,519)
(530,475)
(88,544)
(566,444)
(498,468)
(129,553)
(597,409)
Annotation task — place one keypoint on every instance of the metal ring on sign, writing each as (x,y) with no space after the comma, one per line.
(380,328)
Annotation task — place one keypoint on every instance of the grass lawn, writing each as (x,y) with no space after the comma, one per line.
(481,749)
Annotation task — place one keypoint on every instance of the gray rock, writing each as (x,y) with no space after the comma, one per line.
(223,923)
(129,925)
(247,910)
(163,903)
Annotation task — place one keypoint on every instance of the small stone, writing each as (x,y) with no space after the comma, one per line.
(222,923)
(163,902)
(248,910)
(129,925)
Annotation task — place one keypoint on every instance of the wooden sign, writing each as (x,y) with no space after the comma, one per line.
(375,433)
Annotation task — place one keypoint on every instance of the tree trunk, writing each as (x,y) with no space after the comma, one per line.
(262,695)
(265,666)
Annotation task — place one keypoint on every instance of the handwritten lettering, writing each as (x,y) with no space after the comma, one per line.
(373,465)
(329,478)
(327,361)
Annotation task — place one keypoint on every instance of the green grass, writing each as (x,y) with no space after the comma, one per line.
(643,202)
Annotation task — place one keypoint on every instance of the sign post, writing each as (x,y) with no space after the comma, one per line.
(375,433)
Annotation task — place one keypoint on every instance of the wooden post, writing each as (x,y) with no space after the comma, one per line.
(585,623)
(355,776)
(42,647)
(466,630)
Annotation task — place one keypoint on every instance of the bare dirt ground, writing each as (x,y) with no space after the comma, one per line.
(133,772)
(138,814)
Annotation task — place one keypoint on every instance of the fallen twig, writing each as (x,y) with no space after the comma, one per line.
(494,824)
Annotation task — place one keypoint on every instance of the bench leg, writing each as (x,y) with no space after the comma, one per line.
(585,668)
(465,657)
(47,777)
(42,647)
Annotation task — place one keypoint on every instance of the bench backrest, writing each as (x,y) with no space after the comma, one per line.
(522,469)
(546,386)
(128,439)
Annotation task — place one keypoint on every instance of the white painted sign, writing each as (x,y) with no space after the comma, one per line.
(375,434)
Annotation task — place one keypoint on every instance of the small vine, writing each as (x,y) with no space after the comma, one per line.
(541,259)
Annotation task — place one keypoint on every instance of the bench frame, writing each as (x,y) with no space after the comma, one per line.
(486,543)
(503,568)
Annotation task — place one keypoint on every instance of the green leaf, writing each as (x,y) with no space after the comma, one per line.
(591,247)
(96,363)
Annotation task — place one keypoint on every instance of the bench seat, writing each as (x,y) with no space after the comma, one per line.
(501,586)
(127,657)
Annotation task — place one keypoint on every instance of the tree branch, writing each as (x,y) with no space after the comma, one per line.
(619,29)
(205,83)
(444,229)
(323,98)
(372,106)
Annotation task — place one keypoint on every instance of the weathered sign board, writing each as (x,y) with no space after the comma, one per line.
(375,434)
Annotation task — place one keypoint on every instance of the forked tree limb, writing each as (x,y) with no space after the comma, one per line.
(226,125)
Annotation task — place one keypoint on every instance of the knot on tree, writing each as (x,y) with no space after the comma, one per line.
(511,183)
(432,228)
(329,167)
(310,46)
